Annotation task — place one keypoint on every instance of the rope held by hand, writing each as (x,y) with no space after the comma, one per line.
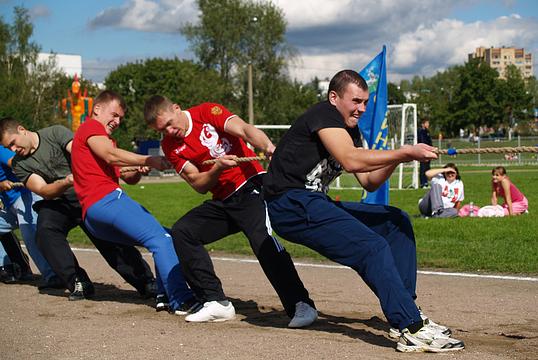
(128,169)
(499,150)
(239,159)
(451,151)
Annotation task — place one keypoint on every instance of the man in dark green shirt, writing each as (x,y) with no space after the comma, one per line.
(43,164)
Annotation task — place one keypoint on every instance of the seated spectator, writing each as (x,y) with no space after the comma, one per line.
(515,203)
(444,198)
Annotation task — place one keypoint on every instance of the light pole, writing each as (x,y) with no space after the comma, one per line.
(254,20)
(250,96)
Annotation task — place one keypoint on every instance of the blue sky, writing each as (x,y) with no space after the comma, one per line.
(422,37)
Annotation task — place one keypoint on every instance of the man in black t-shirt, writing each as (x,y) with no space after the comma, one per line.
(376,241)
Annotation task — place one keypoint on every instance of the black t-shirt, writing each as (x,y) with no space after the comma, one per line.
(300,160)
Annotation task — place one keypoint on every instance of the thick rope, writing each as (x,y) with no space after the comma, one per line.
(239,160)
(451,151)
(499,150)
(128,169)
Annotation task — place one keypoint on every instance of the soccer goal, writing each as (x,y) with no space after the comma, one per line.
(402,123)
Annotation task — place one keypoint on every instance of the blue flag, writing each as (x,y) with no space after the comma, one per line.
(373,124)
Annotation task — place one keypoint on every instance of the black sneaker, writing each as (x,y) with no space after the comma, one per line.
(188,307)
(150,290)
(161,303)
(6,274)
(83,290)
(53,283)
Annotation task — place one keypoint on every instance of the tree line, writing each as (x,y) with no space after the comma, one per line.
(471,96)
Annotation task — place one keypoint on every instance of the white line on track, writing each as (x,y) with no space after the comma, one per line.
(327,266)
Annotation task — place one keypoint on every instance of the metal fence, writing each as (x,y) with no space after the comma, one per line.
(487,159)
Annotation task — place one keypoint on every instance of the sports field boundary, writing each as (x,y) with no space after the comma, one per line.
(331,266)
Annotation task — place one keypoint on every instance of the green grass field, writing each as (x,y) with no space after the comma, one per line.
(505,245)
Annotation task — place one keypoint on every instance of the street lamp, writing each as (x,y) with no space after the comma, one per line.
(254,20)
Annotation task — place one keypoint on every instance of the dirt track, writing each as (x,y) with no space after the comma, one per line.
(497,319)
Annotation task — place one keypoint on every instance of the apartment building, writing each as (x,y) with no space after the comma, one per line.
(500,58)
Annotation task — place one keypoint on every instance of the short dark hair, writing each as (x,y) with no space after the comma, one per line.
(8,125)
(154,106)
(108,96)
(340,81)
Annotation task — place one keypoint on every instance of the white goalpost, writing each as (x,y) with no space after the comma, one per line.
(402,123)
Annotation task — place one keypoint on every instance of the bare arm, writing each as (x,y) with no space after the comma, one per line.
(493,198)
(370,181)
(254,136)
(105,149)
(37,184)
(202,182)
(357,160)
(430,174)
(507,195)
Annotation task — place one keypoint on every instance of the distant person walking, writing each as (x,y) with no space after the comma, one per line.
(424,138)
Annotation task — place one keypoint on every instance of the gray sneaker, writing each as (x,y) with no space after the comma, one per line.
(427,340)
(304,315)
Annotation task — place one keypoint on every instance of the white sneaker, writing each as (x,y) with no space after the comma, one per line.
(395,333)
(212,311)
(304,315)
(427,340)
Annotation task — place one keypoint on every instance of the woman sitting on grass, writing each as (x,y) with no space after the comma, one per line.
(444,198)
(515,203)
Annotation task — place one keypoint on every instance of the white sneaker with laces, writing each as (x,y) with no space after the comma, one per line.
(427,340)
(395,333)
(304,315)
(212,311)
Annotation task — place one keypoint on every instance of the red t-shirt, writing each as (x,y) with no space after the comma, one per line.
(206,139)
(94,178)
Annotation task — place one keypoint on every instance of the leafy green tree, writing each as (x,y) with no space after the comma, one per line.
(514,97)
(26,85)
(396,96)
(182,81)
(475,101)
(231,35)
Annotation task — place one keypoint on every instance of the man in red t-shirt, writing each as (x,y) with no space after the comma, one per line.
(211,132)
(107,211)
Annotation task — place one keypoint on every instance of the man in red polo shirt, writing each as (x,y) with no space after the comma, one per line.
(211,132)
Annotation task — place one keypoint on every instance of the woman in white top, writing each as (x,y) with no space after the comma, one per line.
(444,198)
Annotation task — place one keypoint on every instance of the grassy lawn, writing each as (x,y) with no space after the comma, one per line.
(507,245)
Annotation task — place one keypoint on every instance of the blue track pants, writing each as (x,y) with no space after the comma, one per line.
(117,218)
(376,241)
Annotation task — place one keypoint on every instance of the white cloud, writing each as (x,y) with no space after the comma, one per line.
(448,42)
(424,50)
(148,15)
(331,35)
(39,11)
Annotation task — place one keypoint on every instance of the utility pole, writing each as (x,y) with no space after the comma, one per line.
(250,96)
(253,22)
